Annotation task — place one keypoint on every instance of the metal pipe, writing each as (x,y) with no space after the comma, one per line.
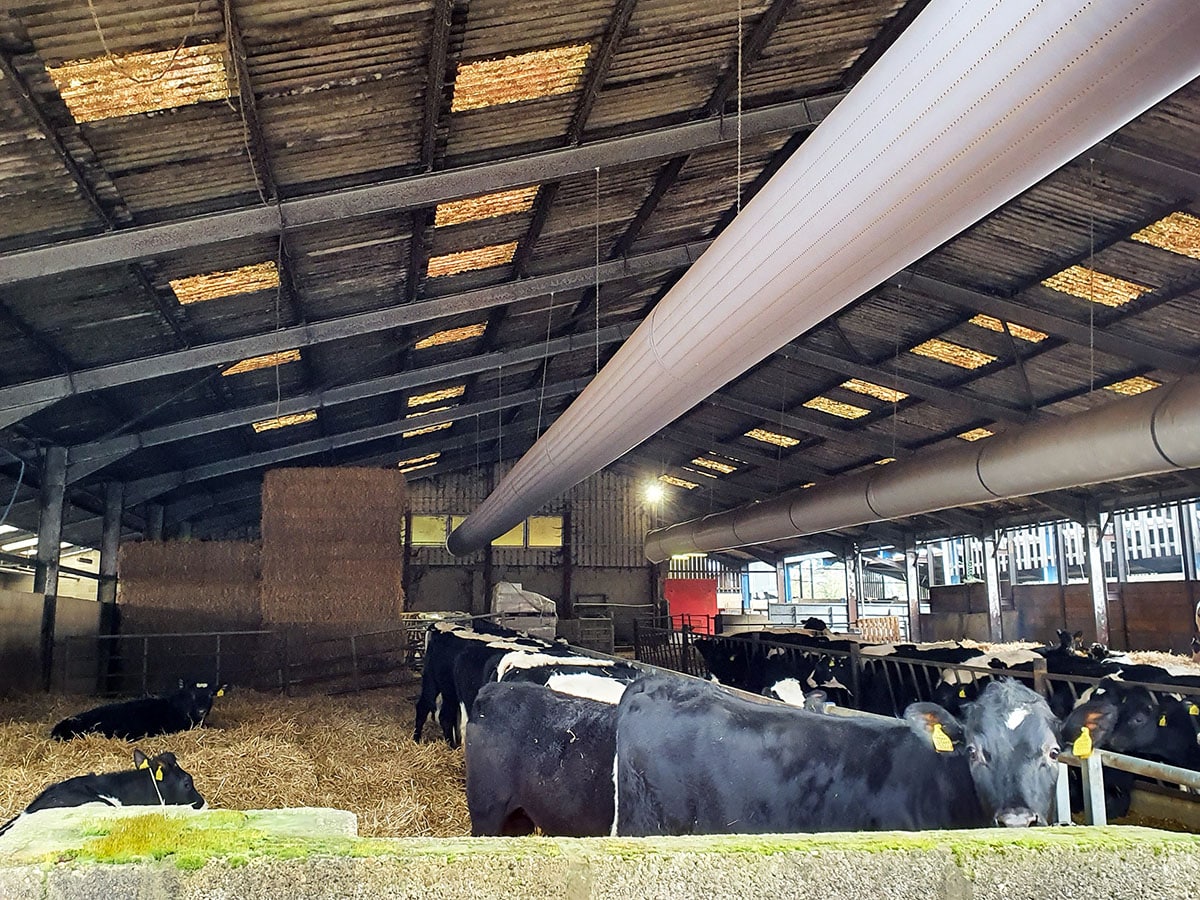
(973,104)
(1158,431)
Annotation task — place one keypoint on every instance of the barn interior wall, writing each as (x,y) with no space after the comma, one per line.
(68,585)
(21,629)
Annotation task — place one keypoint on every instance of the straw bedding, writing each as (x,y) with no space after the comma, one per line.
(259,751)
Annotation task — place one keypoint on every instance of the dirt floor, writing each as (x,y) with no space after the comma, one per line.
(262,751)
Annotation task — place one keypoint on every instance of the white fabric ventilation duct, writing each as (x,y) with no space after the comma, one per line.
(973,104)
(1158,431)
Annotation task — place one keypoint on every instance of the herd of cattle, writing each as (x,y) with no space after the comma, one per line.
(575,745)
(570,744)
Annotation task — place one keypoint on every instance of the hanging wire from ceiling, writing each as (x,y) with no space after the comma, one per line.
(112,57)
(16,487)
(1091,275)
(597,269)
(738,184)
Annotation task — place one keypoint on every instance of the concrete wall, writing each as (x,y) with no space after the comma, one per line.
(21,630)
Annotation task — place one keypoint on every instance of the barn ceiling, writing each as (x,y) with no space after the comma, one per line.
(239,234)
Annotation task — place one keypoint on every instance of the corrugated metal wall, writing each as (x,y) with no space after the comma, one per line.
(608,520)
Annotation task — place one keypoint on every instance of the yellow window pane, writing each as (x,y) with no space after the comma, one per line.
(514,537)
(428,531)
(545,531)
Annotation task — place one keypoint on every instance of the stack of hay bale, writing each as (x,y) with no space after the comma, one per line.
(331,550)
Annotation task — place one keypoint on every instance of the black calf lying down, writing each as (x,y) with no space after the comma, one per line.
(144,717)
(538,758)
(154,781)
(693,758)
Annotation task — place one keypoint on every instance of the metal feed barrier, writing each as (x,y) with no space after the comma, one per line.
(661,646)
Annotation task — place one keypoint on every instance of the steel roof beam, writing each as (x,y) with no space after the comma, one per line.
(84,459)
(118,374)
(1076,332)
(417,191)
(147,488)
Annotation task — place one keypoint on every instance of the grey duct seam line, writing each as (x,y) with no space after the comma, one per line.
(1154,424)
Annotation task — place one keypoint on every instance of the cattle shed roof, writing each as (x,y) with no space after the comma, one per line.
(235,234)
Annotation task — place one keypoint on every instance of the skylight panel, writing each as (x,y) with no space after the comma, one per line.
(471,260)
(835,408)
(448,393)
(428,429)
(417,468)
(489,206)
(247,279)
(878,391)
(1088,284)
(263,362)
(771,437)
(678,482)
(715,464)
(126,84)
(976,434)
(1132,386)
(524,76)
(884,460)
(991,323)
(954,354)
(1179,232)
(285,421)
(407,465)
(451,336)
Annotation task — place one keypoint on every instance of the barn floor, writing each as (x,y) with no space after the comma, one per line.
(262,751)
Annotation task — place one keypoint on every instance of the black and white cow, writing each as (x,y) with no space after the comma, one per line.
(567,672)
(153,781)
(536,758)
(144,717)
(457,659)
(695,759)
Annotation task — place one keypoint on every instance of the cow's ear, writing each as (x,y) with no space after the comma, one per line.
(936,726)
(1089,726)
(139,760)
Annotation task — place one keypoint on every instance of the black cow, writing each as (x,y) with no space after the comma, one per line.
(536,758)
(456,660)
(144,717)
(153,781)
(694,759)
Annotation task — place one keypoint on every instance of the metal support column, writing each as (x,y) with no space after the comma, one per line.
(1095,570)
(110,541)
(154,521)
(913,584)
(991,582)
(50,521)
(566,605)
(850,561)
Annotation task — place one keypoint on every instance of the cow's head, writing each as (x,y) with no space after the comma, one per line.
(174,786)
(1010,739)
(1123,717)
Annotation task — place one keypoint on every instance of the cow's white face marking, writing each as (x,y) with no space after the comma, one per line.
(1015,718)
(111,801)
(590,687)
(789,690)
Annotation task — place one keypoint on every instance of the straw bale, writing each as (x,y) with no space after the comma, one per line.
(262,751)
(216,581)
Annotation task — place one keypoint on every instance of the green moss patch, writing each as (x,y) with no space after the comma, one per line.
(190,842)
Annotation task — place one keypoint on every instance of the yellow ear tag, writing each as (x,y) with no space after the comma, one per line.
(1194,710)
(220,692)
(158,774)
(1162,721)
(1082,748)
(941,740)
(145,764)
(962,693)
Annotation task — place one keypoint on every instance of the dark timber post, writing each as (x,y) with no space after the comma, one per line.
(110,541)
(566,605)
(45,578)
(406,559)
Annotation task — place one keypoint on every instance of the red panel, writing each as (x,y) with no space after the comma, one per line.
(692,602)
